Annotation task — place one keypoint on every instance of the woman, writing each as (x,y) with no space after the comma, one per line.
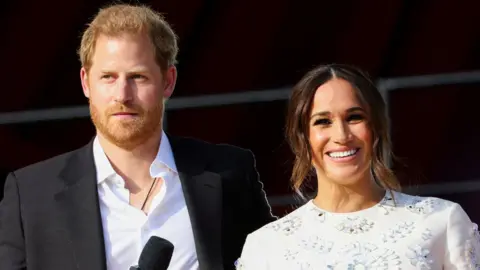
(338,130)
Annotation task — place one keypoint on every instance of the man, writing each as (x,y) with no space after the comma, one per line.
(95,207)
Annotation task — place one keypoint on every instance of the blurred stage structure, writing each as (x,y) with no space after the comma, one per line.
(386,86)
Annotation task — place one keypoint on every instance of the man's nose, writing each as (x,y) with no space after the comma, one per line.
(123,90)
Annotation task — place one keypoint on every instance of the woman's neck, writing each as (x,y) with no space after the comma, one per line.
(336,198)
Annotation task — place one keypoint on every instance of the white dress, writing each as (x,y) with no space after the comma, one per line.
(409,232)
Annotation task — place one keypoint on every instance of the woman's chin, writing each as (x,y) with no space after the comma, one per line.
(347,178)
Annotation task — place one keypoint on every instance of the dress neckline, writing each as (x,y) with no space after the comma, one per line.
(387,199)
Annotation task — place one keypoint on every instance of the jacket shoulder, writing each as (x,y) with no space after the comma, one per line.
(47,167)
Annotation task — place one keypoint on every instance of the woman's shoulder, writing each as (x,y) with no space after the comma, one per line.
(442,214)
(449,220)
(284,225)
(263,243)
(425,205)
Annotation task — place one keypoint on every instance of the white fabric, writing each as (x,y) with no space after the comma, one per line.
(416,233)
(127,229)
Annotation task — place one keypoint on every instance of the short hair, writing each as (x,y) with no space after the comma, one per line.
(298,115)
(119,19)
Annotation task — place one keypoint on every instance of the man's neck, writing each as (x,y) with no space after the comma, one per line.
(133,165)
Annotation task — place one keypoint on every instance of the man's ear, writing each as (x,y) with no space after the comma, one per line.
(84,80)
(170,80)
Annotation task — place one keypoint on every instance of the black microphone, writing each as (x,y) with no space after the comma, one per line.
(156,255)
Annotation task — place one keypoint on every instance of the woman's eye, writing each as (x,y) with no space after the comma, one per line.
(322,122)
(355,118)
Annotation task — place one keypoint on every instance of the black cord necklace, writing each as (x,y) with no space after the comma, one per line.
(149,191)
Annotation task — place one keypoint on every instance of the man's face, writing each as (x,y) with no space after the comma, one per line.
(126,89)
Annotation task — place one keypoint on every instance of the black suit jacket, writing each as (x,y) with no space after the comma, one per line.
(50,217)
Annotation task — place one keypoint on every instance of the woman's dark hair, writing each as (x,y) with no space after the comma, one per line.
(298,117)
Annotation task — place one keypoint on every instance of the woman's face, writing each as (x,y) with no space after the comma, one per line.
(339,134)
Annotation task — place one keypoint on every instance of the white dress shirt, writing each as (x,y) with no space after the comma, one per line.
(408,233)
(127,229)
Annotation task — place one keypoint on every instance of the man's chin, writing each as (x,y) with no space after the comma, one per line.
(125,138)
(127,135)
(127,143)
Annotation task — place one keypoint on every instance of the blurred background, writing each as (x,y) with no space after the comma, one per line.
(237,62)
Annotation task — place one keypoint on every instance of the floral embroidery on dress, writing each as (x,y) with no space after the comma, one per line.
(420,257)
(316,244)
(405,233)
(304,265)
(239,264)
(354,225)
(290,254)
(399,231)
(287,226)
(427,234)
(319,214)
(365,256)
(473,248)
(420,205)
(387,204)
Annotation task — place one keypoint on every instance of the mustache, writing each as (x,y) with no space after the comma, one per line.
(124,108)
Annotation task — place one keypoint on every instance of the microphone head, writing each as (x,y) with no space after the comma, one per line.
(156,254)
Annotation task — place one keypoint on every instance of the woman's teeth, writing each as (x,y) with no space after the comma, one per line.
(343,153)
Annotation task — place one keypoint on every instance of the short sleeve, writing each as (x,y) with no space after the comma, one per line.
(462,242)
(253,255)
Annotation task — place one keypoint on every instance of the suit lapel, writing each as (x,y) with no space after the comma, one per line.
(203,195)
(79,206)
